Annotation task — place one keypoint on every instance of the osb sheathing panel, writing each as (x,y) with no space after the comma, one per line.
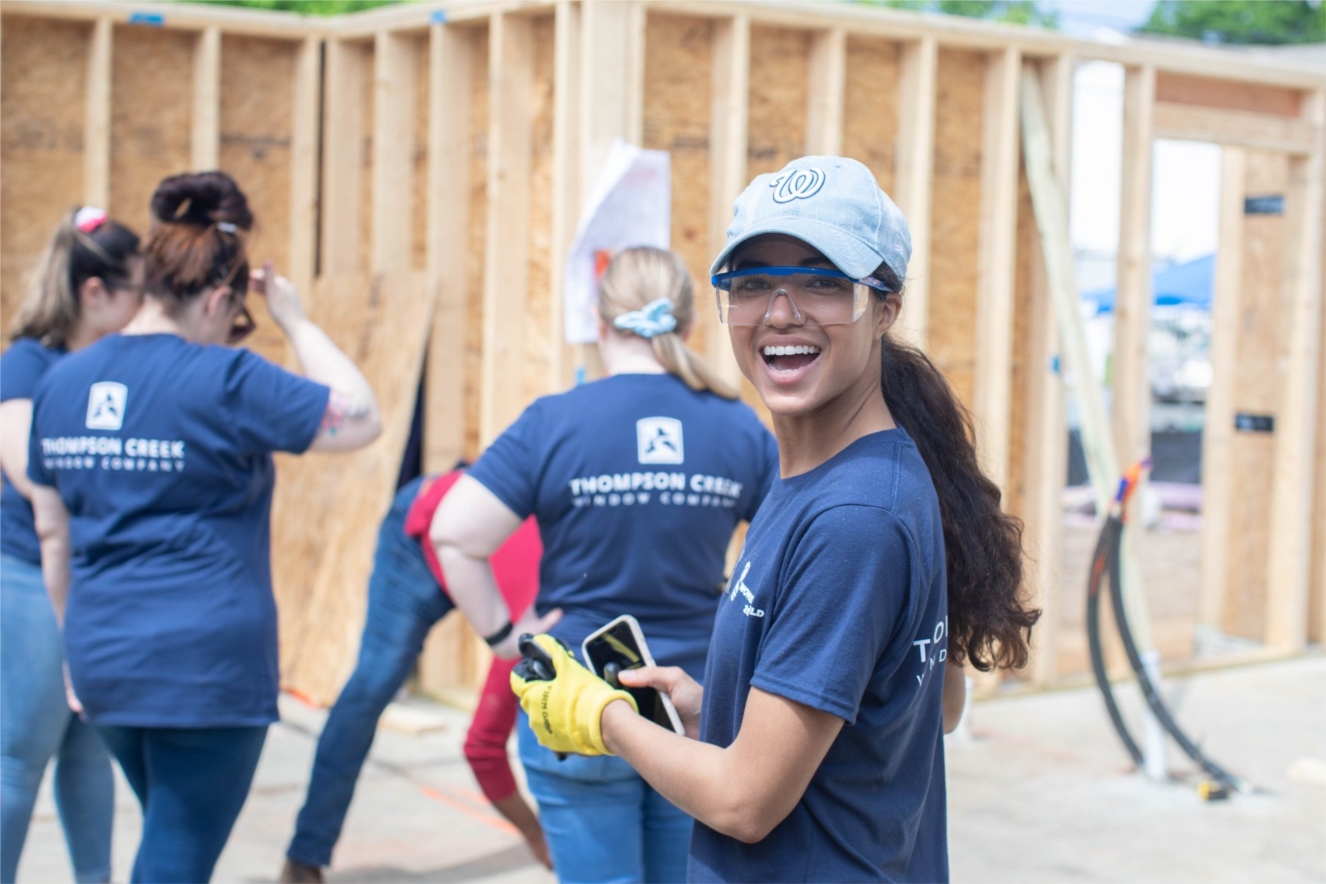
(43,76)
(678,84)
(328,506)
(955,224)
(539,337)
(870,108)
(776,125)
(257,112)
(151,116)
(1256,391)
(419,161)
(478,232)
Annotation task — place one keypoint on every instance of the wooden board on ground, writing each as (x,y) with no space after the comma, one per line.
(328,506)
(42,87)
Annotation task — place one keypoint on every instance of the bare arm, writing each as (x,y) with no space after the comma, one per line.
(744,790)
(15,425)
(52,521)
(467,529)
(955,695)
(351,420)
(522,816)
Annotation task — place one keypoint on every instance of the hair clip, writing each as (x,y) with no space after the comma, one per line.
(226,227)
(651,320)
(89,218)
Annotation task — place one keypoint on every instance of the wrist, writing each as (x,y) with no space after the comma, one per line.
(613,719)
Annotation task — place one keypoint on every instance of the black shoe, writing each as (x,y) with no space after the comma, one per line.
(295,872)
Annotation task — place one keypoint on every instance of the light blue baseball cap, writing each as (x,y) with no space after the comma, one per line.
(831,203)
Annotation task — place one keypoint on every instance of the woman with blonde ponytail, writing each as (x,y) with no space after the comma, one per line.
(88,284)
(637,482)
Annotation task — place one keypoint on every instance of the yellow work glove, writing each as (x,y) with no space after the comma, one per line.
(565,712)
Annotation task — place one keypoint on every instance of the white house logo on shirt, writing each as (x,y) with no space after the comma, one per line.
(739,586)
(105,405)
(658,440)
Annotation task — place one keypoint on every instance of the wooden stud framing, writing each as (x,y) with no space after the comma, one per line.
(506,259)
(1238,128)
(206,142)
(304,165)
(1296,418)
(343,157)
(1131,411)
(566,180)
(1045,455)
(1317,603)
(96,135)
(824,110)
(1217,463)
(449,76)
(393,150)
(998,243)
(914,174)
(727,159)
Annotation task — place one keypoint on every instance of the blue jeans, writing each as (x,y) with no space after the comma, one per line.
(602,821)
(36,725)
(404,601)
(192,783)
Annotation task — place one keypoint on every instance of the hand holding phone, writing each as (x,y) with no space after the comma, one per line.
(620,646)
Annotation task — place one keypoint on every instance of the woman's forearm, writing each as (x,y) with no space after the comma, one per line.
(692,775)
(52,523)
(471,585)
(352,418)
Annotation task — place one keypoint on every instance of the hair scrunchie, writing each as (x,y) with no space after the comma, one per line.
(655,318)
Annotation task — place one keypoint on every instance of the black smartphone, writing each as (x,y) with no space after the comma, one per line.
(621,645)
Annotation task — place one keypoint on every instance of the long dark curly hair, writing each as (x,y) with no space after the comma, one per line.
(990,619)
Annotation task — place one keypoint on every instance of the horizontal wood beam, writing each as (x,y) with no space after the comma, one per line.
(1234,128)
(1221,92)
(182,16)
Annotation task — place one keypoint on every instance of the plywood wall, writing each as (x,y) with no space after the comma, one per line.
(256,132)
(870,107)
(42,100)
(151,116)
(955,227)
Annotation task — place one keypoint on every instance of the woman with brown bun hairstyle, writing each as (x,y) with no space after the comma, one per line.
(151,458)
(88,284)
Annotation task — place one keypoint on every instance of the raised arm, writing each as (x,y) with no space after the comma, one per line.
(467,529)
(351,420)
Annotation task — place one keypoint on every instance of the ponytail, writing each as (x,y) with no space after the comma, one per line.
(989,619)
(98,249)
(639,275)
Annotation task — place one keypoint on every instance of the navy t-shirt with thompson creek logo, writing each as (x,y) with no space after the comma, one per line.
(838,602)
(161,451)
(637,483)
(21,368)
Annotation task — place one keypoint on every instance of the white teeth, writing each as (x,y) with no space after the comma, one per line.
(800,350)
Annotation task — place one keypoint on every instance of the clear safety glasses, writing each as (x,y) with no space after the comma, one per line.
(822,296)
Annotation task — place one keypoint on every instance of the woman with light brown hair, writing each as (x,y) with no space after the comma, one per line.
(87,285)
(637,482)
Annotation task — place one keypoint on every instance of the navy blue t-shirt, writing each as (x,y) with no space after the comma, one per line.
(161,451)
(838,602)
(21,367)
(637,483)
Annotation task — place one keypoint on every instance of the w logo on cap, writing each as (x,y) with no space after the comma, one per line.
(797,185)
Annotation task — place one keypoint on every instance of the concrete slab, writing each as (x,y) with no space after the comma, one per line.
(1042,793)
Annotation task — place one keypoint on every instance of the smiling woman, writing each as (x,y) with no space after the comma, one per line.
(879,559)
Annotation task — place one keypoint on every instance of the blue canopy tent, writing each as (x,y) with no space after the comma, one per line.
(1187,284)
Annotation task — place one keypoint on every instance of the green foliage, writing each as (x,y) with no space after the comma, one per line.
(1240,21)
(306,7)
(1018,12)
